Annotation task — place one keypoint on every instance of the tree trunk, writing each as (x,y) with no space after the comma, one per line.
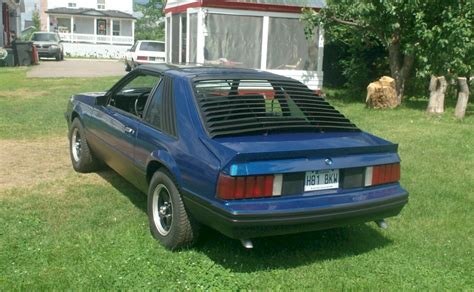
(399,72)
(433,90)
(438,86)
(463,97)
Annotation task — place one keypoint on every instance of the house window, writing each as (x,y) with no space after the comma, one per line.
(296,52)
(71,5)
(101,27)
(101,4)
(116,27)
(234,40)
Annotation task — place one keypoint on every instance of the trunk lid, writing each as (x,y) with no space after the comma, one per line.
(300,152)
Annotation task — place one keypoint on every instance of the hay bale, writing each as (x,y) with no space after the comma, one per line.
(382,94)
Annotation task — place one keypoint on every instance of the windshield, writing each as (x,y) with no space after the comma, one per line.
(45,37)
(152,46)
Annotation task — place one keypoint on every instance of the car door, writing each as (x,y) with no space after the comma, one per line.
(114,125)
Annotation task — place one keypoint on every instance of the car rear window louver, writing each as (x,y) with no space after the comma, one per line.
(240,106)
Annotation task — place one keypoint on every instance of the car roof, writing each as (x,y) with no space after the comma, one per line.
(210,72)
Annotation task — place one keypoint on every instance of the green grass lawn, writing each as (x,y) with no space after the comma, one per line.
(71,231)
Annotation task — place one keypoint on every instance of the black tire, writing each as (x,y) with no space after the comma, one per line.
(58,57)
(127,67)
(182,230)
(83,160)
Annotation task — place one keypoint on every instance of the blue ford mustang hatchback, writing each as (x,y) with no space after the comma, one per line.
(245,152)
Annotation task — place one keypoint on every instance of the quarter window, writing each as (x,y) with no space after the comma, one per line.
(153,116)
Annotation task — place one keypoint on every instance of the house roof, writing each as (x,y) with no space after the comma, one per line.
(258,5)
(90,12)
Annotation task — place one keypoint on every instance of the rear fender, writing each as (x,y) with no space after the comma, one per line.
(164,158)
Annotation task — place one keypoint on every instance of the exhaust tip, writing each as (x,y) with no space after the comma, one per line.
(382,224)
(246,243)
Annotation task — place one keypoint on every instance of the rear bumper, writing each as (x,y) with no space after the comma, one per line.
(277,216)
(149,62)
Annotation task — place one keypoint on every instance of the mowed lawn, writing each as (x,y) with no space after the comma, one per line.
(62,230)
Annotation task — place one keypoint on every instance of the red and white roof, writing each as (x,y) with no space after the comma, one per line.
(177,6)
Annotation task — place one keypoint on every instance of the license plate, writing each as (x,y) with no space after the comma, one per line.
(321,180)
(152,58)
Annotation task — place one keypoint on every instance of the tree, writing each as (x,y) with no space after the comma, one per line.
(150,26)
(446,50)
(409,30)
(36,20)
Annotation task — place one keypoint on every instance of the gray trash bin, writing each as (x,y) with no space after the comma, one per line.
(10,60)
(23,53)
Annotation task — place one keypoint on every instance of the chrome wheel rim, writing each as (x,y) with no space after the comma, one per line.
(162,209)
(76,145)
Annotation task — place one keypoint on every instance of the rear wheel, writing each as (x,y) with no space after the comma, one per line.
(169,220)
(81,156)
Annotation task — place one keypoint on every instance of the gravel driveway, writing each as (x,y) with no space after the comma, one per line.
(77,68)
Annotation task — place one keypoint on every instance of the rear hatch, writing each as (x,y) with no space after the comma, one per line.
(151,52)
(278,132)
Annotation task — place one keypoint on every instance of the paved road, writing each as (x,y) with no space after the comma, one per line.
(76,68)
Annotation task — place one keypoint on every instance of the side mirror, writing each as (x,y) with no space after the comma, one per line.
(101,100)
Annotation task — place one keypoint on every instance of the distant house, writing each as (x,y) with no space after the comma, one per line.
(10,25)
(97,28)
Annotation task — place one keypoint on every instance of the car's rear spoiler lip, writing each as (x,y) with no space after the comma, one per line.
(303,164)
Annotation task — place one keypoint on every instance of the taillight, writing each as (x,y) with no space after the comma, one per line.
(382,174)
(248,187)
(142,58)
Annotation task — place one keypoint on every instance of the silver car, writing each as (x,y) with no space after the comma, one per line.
(48,45)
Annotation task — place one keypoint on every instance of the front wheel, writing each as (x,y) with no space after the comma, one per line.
(81,156)
(169,220)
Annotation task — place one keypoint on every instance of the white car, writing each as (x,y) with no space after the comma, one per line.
(145,52)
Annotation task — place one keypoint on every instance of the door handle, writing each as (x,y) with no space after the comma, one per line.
(129,131)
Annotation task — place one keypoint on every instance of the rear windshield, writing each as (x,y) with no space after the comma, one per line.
(241,106)
(44,37)
(152,46)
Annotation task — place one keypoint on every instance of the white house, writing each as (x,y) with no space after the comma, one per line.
(10,21)
(98,28)
(259,34)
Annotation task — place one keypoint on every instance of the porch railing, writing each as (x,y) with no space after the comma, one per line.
(96,39)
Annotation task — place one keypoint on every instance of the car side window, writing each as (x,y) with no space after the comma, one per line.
(132,49)
(133,95)
(154,112)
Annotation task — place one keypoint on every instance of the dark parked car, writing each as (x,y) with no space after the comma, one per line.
(248,153)
(48,45)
